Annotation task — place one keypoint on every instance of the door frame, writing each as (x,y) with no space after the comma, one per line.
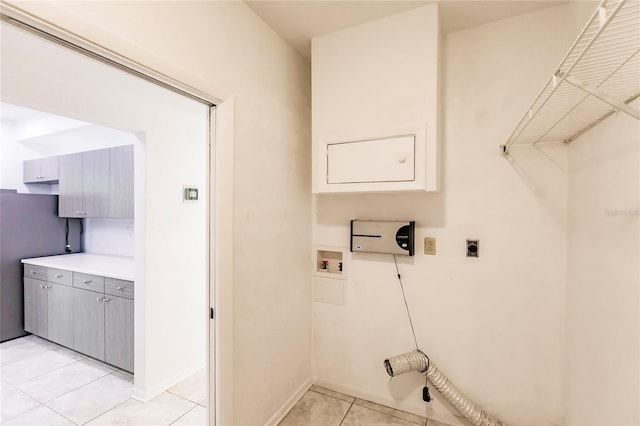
(219,209)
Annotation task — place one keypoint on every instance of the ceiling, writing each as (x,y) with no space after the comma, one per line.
(298,21)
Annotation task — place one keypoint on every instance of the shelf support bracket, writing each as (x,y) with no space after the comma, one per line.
(603,96)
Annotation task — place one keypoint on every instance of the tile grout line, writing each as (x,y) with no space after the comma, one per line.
(347,413)
(187,412)
(183,397)
(105,412)
(42,374)
(371,408)
(60,414)
(73,390)
(28,396)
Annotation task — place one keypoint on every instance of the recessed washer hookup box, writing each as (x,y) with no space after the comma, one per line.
(383,236)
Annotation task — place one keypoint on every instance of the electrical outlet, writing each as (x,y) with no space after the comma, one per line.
(429,245)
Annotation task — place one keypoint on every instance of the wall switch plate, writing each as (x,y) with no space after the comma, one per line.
(429,245)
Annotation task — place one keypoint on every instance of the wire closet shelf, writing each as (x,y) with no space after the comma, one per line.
(597,77)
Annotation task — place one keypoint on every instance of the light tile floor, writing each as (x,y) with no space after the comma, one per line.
(324,407)
(45,384)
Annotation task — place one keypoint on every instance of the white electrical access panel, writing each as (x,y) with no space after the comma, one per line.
(396,160)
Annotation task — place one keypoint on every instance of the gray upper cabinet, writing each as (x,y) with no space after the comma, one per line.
(121,182)
(41,170)
(97,183)
(70,188)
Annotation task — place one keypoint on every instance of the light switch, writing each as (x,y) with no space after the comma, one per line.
(190,194)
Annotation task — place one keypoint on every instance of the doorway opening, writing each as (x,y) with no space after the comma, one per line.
(170,236)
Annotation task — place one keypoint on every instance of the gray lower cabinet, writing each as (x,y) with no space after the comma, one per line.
(35,307)
(60,314)
(118,331)
(48,310)
(88,322)
(88,313)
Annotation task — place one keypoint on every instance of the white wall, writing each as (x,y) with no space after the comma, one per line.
(223,48)
(603,290)
(493,324)
(13,153)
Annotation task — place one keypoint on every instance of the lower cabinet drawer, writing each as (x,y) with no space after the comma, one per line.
(88,282)
(59,276)
(120,288)
(35,272)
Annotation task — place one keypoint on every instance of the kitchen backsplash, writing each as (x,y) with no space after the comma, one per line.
(109,236)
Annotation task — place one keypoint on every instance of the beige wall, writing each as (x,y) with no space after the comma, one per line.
(494,324)
(224,49)
(603,289)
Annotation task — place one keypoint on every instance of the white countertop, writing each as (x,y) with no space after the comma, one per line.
(118,267)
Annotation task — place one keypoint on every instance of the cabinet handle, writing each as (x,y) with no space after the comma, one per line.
(119,288)
(59,276)
(105,300)
(39,177)
(32,271)
(86,282)
(98,299)
(41,285)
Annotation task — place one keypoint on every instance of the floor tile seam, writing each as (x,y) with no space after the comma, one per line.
(187,412)
(183,397)
(393,415)
(346,413)
(39,375)
(60,414)
(21,413)
(106,411)
(331,396)
(71,390)
(25,357)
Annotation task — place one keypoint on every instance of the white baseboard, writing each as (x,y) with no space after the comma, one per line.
(288,405)
(149,394)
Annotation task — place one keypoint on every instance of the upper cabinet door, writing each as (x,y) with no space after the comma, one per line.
(377,160)
(41,170)
(121,187)
(49,169)
(70,189)
(95,183)
(31,171)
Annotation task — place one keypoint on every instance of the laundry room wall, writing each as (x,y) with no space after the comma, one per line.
(492,324)
(603,284)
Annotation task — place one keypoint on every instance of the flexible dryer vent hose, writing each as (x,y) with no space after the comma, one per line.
(418,361)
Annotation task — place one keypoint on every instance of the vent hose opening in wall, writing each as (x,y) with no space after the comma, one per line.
(420,362)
